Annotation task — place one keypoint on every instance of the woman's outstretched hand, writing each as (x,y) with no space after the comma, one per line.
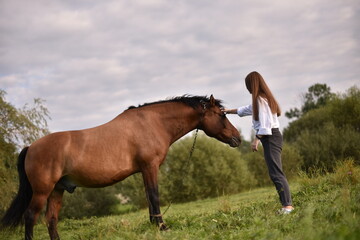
(228,111)
(254,145)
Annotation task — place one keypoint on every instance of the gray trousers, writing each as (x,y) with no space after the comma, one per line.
(272,145)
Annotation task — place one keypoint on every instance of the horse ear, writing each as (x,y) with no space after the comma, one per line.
(212,100)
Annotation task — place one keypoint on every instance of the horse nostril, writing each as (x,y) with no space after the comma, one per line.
(235,141)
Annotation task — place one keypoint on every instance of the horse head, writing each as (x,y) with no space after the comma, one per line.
(215,123)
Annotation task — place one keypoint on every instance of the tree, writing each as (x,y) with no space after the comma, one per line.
(22,126)
(318,95)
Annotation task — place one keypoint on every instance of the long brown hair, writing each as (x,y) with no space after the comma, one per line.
(256,85)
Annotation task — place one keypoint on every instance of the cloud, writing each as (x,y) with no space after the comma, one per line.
(90,60)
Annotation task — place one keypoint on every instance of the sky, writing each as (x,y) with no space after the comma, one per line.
(90,59)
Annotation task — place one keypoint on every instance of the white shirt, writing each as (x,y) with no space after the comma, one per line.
(267,119)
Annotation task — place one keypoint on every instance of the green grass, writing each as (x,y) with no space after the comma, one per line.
(327,207)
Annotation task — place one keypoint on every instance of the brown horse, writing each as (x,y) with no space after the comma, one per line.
(135,141)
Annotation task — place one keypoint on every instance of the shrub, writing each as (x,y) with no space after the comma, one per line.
(291,161)
(214,169)
(8,175)
(345,109)
(257,167)
(87,202)
(328,133)
(8,186)
(321,148)
(133,188)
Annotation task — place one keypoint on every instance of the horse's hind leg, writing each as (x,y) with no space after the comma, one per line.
(52,212)
(32,213)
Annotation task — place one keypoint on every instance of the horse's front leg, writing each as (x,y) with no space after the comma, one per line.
(150,176)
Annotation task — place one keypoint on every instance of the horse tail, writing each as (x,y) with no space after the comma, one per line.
(13,216)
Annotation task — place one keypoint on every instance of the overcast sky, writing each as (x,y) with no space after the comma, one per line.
(90,60)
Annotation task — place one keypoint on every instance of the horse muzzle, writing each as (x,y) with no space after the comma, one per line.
(235,142)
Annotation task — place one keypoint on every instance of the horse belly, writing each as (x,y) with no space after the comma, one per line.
(103,170)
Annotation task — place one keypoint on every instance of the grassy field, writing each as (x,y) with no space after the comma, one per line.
(327,207)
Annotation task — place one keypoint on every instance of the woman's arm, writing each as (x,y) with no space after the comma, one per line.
(241,111)
(230,111)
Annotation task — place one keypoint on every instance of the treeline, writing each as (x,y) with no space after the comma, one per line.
(326,130)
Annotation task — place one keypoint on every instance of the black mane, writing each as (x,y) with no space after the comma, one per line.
(190,100)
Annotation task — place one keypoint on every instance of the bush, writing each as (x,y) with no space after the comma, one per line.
(8,187)
(214,169)
(328,133)
(8,175)
(133,188)
(257,167)
(345,109)
(87,202)
(321,148)
(291,161)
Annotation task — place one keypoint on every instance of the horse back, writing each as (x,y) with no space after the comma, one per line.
(102,155)
(97,156)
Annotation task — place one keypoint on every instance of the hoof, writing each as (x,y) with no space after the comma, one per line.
(163,227)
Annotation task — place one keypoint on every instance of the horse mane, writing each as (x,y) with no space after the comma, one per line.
(190,100)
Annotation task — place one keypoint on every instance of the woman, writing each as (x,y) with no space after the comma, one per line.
(265,111)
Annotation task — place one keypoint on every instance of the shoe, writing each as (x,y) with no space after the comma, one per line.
(285,211)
